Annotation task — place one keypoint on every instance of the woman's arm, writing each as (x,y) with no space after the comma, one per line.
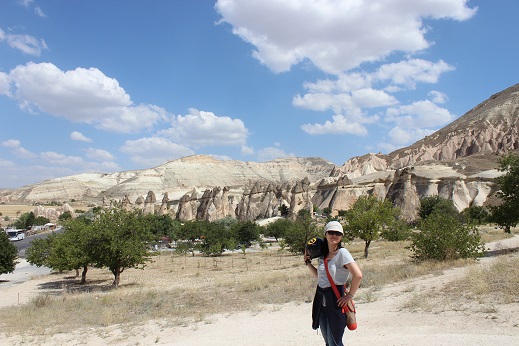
(356,278)
(308,263)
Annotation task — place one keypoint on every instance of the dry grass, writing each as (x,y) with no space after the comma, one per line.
(179,290)
(482,289)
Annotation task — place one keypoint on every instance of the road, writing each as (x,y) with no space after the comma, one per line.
(24,271)
(22,245)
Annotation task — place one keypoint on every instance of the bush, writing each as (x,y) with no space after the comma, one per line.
(443,237)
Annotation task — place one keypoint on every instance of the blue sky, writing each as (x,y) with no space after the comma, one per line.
(105,86)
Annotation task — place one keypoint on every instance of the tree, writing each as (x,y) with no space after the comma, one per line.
(444,237)
(39,252)
(162,225)
(216,237)
(476,213)
(283,209)
(430,204)
(303,229)
(40,220)
(397,231)
(278,228)
(66,215)
(8,254)
(246,232)
(368,217)
(119,241)
(23,220)
(63,251)
(74,242)
(29,221)
(506,215)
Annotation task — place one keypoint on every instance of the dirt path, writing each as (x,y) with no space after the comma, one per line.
(381,322)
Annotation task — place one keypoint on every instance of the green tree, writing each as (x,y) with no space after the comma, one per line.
(40,251)
(303,229)
(120,240)
(23,220)
(74,242)
(246,232)
(397,231)
(444,237)
(162,225)
(283,209)
(278,228)
(40,220)
(430,204)
(368,217)
(475,214)
(216,238)
(8,254)
(63,251)
(342,213)
(506,215)
(29,221)
(66,215)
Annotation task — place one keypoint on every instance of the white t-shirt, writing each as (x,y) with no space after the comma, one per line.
(336,267)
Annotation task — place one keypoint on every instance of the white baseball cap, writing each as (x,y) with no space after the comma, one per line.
(333,226)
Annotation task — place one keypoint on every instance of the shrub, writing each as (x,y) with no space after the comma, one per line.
(443,237)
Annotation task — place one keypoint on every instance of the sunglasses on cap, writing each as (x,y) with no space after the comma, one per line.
(336,233)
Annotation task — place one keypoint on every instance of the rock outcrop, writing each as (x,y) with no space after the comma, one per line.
(456,162)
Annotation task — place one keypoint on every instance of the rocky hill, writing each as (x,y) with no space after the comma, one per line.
(176,177)
(457,162)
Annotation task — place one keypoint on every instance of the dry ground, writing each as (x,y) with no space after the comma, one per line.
(263,298)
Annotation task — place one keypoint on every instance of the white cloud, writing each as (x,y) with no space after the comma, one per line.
(31,3)
(438,97)
(343,34)
(6,163)
(25,43)
(339,125)
(420,114)
(60,159)
(271,153)
(154,151)
(4,84)
(350,103)
(11,143)
(78,136)
(246,150)
(409,72)
(18,150)
(98,154)
(401,137)
(199,128)
(413,122)
(81,95)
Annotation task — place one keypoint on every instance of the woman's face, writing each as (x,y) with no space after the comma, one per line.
(333,238)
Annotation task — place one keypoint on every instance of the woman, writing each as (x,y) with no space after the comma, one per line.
(327,309)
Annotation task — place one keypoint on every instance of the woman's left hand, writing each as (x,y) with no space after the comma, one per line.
(343,301)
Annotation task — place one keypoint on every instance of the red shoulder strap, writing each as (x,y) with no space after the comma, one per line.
(332,283)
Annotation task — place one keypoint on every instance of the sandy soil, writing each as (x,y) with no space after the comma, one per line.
(381,322)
